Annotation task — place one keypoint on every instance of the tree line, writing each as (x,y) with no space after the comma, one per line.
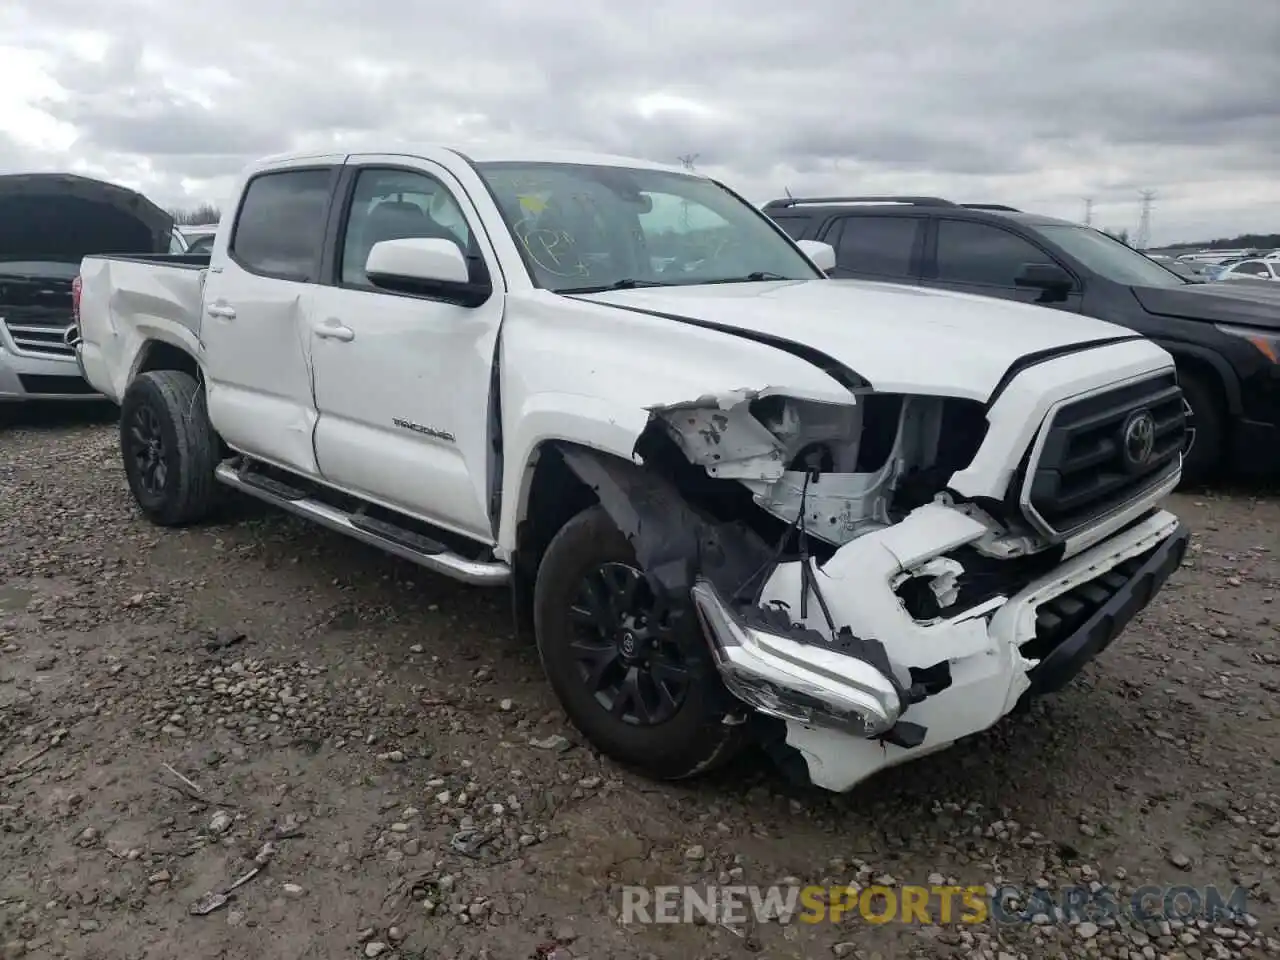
(196,216)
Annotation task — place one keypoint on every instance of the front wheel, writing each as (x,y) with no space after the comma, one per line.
(1206,431)
(169,447)
(638,684)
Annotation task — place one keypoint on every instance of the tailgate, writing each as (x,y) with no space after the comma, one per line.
(126,302)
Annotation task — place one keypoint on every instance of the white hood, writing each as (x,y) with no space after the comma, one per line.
(901,339)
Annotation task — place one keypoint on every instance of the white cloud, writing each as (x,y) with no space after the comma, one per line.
(1037,105)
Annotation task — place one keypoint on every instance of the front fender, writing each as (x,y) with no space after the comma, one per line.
(589,374)
(608,427)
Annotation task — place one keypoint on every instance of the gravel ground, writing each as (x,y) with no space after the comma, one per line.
(180,709)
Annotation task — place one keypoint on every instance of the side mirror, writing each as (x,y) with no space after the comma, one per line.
(426,267)
(822,254)
(1049,277)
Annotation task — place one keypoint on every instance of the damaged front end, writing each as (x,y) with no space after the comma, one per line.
(840,587)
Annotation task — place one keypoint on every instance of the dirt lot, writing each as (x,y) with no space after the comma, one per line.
(352,728)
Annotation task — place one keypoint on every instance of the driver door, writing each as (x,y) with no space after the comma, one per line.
(402,381)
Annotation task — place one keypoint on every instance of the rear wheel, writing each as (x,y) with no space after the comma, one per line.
(1206,430)
(169,447)
(640,686)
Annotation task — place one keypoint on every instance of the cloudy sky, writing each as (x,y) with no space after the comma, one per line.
(1038,104)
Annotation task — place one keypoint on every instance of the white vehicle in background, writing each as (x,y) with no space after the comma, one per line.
(735,500)
(1254,269)
(199,239)
(48,223)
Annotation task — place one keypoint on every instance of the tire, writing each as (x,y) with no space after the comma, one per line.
(164,412)
(692,740)
(1202,462)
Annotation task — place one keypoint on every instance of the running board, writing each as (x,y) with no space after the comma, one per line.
(401,543)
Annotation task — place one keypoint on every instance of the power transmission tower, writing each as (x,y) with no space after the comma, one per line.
(1088,211)
(1144,220)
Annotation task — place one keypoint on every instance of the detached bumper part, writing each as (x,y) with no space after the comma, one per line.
(796,681)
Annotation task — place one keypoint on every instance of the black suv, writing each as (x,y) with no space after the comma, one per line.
(1225,338)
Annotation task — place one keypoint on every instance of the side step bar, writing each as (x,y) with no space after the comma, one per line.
(401,543)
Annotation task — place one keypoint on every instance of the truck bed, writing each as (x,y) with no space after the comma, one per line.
(126,300)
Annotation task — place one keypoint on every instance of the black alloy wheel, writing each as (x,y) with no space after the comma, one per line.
(147,448)
(637,680)
(626,655)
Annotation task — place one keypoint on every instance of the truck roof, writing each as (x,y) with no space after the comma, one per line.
(479,153)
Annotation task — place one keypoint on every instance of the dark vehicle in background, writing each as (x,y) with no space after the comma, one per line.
(48,223)
(1196,273)
(1224,337)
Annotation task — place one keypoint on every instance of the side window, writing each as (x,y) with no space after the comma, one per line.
(280,229)
(794,226)
(877,246)
(393,204)
(176,243)
(1254,268)
(980,253)
(201,245)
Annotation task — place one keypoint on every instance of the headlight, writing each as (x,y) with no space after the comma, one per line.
(1267,342)
(784,678)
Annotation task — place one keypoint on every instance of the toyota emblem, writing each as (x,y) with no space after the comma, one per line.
(1139,439)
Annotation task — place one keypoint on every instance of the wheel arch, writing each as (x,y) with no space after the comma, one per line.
(550,495)
(158,354)
(1209,366)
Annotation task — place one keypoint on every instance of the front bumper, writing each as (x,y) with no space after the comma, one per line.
(993,655)
(42,378)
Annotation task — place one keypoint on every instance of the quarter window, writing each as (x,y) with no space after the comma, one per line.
(877,246)
(280,229)
(794,226)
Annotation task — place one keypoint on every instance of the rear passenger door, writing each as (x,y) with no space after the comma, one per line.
(982,258)
(258,297)
(877,248)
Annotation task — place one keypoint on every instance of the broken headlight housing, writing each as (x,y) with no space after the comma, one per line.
(791,680)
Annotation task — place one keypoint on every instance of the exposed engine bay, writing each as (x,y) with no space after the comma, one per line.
(845,463)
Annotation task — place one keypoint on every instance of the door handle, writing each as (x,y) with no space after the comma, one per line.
(334,329)
(220,310)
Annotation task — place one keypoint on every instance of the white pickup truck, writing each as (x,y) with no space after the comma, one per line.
(737,501)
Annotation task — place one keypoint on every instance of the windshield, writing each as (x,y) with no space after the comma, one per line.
(1110,258)
(583,227)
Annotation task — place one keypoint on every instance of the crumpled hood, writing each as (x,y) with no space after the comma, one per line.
(1249,304)
(899,338)
(63,217)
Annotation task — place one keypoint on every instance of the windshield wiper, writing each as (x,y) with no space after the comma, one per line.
(757,277)
(627,283)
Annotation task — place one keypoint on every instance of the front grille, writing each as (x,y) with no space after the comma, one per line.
(1103,451)
(40,335)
